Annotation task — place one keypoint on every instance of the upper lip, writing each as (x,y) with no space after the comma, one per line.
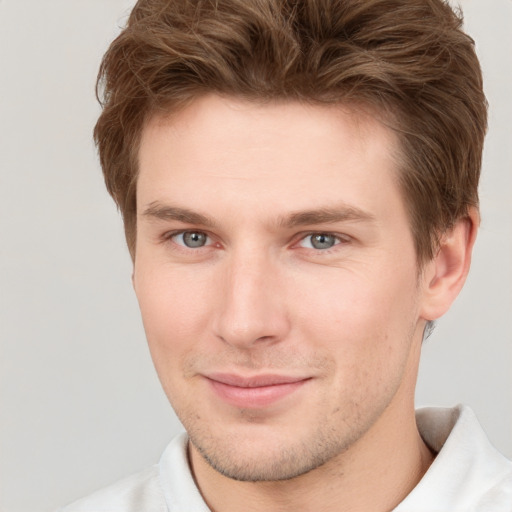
(254,381)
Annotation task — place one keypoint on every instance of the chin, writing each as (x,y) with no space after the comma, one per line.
(264,458)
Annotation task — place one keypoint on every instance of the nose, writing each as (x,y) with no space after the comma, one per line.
(252,307)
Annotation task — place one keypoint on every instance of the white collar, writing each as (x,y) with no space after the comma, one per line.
(468,474)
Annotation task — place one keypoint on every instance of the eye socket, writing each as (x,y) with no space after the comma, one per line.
(320,241)
(198,239)
(191,239)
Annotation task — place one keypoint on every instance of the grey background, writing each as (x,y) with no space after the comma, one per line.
(80,403)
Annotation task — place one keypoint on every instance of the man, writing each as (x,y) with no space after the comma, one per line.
(298,182)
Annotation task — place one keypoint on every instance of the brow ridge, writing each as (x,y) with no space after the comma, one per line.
(326,216)
(160,211)
(344,213)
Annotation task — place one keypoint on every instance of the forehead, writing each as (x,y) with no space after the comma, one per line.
(255,124)
(291,154)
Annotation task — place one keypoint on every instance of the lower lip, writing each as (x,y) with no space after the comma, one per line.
(256,397)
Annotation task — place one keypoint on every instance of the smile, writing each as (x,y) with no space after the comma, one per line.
(254,392)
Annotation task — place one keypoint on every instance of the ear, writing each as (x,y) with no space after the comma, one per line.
(444,276)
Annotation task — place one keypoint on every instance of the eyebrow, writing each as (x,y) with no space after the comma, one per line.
(159,211)
(344,213)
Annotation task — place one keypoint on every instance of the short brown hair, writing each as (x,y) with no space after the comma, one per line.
(409,60)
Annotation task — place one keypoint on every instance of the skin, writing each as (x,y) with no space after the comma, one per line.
(254,182)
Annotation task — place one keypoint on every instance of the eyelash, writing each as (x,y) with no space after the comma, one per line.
(169,236)
(340,240)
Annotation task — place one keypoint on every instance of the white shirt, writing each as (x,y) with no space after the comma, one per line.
(468,475)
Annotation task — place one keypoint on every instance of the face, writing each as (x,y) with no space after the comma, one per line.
(277,279)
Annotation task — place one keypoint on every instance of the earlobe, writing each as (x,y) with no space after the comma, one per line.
(446,274)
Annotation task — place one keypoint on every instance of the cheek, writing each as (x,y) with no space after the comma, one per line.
(361,318)
(175,313)
(365,328)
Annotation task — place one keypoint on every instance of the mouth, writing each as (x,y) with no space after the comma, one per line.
(255,391)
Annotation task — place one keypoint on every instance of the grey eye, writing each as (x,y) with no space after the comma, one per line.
(194,239)
(322,241)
